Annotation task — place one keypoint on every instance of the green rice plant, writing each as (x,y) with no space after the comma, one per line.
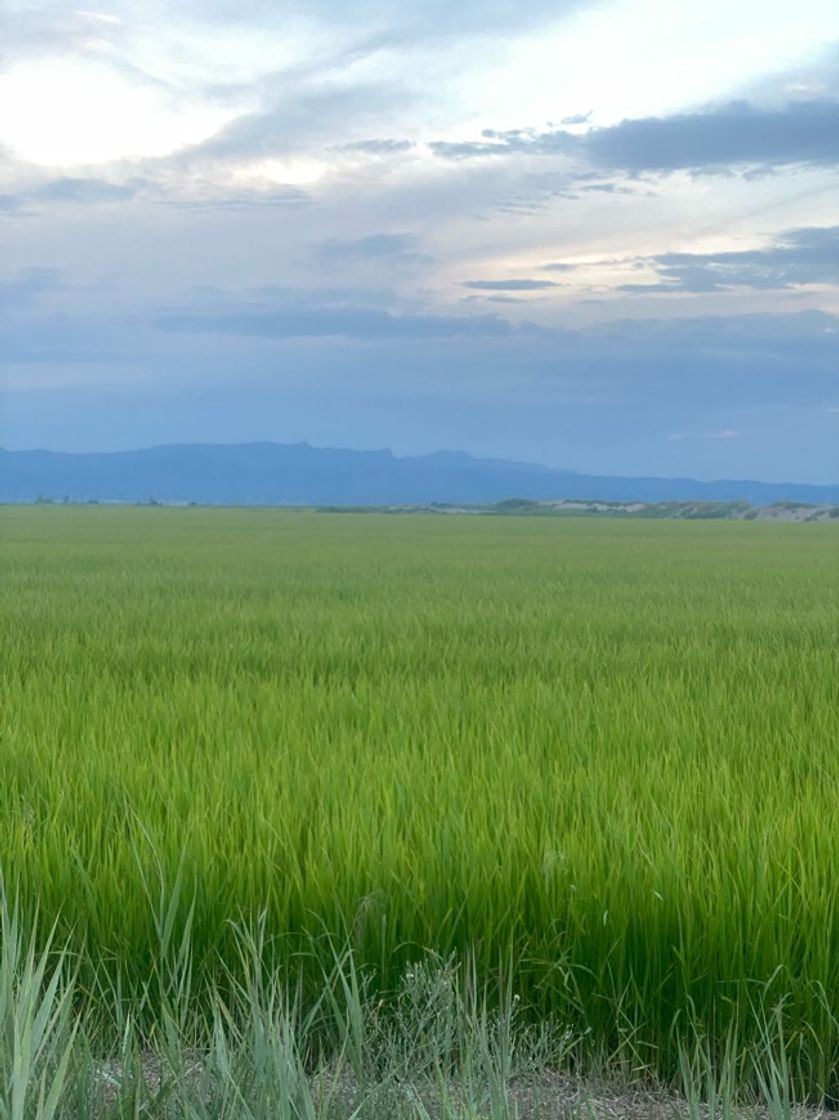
(595,757)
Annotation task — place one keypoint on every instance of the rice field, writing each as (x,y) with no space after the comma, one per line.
(599,758)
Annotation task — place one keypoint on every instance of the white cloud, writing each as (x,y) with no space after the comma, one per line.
(147,80)
(724,433)
(69,112)
(100,17)
(634,58)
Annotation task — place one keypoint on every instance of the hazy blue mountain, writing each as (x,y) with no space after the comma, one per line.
(298,474)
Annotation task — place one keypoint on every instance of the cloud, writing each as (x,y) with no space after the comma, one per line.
(494,299)
(643,348)
(53,28)
(758,336)
(510,285)
(506,144)
(799,256)
(375,246)
(83,191)
(414,21)
(725,433)
(392,23)
(294,118)
(72,191)
(29,283)
(735,135)
(203,194)
(328,322)
(607,188)
(602,399)
(226,200)
(382,147)
(559,266)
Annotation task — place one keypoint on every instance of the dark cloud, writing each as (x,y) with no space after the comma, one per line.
(603,399)
(604,347)
(649,353)
(244,200)
(71,191)
(800,256)
(292,119)
(577,118)
(559,266)
(375,246)
(83,191)
(736,135)
(505,144)
(510,285)
(95,192)
(606,188)
(758,340)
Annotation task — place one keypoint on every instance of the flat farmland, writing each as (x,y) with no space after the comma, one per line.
(599,756)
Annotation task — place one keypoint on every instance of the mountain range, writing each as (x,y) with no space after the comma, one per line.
(299,474)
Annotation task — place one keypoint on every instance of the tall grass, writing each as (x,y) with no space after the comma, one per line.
(262,1054)
(442,1048)
(598,757)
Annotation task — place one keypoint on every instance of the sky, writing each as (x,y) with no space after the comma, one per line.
(602,235)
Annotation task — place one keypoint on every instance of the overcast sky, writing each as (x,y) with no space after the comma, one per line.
(598,234)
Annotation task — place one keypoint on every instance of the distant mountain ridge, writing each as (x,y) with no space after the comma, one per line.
(299,474)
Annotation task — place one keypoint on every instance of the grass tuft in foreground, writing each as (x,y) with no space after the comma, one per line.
(440,1047)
